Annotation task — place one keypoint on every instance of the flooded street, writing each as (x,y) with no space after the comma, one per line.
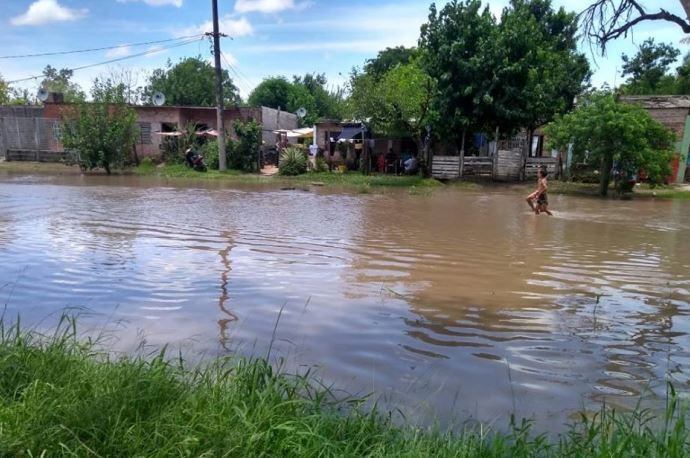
(452,305)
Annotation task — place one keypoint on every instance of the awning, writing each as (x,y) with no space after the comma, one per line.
(208,133)
(350,133)
(297,133)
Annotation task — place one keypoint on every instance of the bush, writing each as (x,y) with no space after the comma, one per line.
(320,165)
(292,162)
(210,153)
(244,154)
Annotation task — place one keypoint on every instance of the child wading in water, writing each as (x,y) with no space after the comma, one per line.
(538,201)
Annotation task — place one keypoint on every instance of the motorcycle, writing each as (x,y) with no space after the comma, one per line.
(195,161)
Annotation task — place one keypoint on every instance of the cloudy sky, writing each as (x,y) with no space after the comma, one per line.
(269,37)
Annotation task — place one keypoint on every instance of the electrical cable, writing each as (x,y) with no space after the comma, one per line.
(105,48)
(111,61)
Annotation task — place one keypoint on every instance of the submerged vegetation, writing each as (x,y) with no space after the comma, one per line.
(60,396)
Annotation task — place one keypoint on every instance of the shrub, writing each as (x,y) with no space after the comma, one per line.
(210,153)
(292,162)
(320,165)
(244,154)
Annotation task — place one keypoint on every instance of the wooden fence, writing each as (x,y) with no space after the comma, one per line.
(478,166)
(445,167)
(40,156)
(534,164)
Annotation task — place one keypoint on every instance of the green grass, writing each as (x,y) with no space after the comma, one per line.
(351,180)
(61,397)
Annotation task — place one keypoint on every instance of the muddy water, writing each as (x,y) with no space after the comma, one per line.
(454,305)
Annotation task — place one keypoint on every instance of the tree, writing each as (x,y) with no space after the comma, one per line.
(605,132)
(273,92)
(388,59)
(537,69)
(55,80)
(456,45)
(103,131)
(398,103)
(308,92)
(647,70)
(607,20)
(682,83)
(5,93)
(190,82)
(326,103)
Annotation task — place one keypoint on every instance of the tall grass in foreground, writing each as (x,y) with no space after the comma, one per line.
(61,397)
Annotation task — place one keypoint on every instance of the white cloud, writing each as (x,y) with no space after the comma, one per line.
(263,6)
(121,51)
(227,25)
(48,11)
(177,3)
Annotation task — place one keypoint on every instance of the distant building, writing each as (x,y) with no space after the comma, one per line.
(37,128)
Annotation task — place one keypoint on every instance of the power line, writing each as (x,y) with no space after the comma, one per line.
(77,51)
(111,61)
(240,81)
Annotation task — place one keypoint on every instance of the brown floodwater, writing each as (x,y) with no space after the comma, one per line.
(448,306)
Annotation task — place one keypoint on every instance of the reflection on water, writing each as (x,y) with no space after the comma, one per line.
(454,305)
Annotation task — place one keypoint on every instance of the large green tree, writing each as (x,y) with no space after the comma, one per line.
(273,92)
(397,103)
(388,59)
(647,71)
(537,70)
(457,48)
(55,80)
(102,131)
(604,132)
(190,82)
(308,91)
(325,103)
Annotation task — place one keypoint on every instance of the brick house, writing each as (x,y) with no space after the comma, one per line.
(37,128)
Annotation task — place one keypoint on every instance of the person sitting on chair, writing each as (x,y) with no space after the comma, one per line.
(411,165)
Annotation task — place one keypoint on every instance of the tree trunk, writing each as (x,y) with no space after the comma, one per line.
(136,156)
(107,168)
(605,174)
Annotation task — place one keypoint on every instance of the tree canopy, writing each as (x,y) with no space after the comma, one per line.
(388,59)
(457,41)
(5,94)
(55,80)
(606,133)
(308,91)
(103,131)
(190,82)
(519,72)
(648,71)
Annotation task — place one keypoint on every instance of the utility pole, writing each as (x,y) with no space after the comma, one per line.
(222,159)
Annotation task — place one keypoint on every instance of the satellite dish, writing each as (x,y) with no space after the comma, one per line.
(158,98)
(301,113)
(42,94)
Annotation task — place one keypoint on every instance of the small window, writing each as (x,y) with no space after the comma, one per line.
(57,130)
(145,133)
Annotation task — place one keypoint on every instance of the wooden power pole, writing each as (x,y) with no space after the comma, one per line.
(222,158)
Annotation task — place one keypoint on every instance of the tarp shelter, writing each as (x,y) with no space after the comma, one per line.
(305,132)
(350,133)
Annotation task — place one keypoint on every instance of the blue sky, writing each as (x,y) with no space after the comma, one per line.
(270,37)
